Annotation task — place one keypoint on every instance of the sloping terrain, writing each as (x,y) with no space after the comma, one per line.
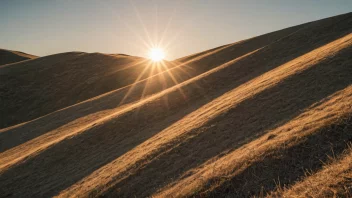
(246,119)
(8,56)
(75,76)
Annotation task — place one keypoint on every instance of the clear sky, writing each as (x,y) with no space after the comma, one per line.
(183,27)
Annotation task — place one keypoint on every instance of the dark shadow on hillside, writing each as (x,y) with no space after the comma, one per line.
(305,38)
(248,120)
(67,162)
(287,166)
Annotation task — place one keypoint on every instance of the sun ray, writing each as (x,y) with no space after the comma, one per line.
(135,83)
(148,80)
(177,34)
(141,22)
(129,66)
(113,13)
(164,85)
(146,84)
(156,27)
(146,44)
(175,81)
(160,43)
(180,67)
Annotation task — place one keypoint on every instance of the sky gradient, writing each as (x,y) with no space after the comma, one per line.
(182,27)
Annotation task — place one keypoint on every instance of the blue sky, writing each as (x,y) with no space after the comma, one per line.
(183,27)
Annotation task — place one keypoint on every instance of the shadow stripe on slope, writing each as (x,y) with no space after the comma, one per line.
(99,175)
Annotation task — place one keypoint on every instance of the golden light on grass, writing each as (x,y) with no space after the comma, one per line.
(156,54)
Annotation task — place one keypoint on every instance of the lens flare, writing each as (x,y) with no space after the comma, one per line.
(156,54)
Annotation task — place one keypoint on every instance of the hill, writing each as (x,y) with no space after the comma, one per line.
(65,79)
(8,56)
(261,117)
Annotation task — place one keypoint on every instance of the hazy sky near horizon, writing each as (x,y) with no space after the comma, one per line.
(183,27)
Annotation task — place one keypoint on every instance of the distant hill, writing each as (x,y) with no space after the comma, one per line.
(269,116)
(8,56)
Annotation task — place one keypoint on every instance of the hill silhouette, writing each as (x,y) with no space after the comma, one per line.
(9,56)
(267,116)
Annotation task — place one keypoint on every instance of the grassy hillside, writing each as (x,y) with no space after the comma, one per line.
(69,78)
(8,56)
(259,117)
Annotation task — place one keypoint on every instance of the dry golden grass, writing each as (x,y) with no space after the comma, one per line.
(334,180)
(215,173)
(245,119)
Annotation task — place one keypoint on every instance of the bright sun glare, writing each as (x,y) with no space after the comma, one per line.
(156,54)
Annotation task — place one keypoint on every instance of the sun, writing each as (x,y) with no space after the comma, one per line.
(156,54)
